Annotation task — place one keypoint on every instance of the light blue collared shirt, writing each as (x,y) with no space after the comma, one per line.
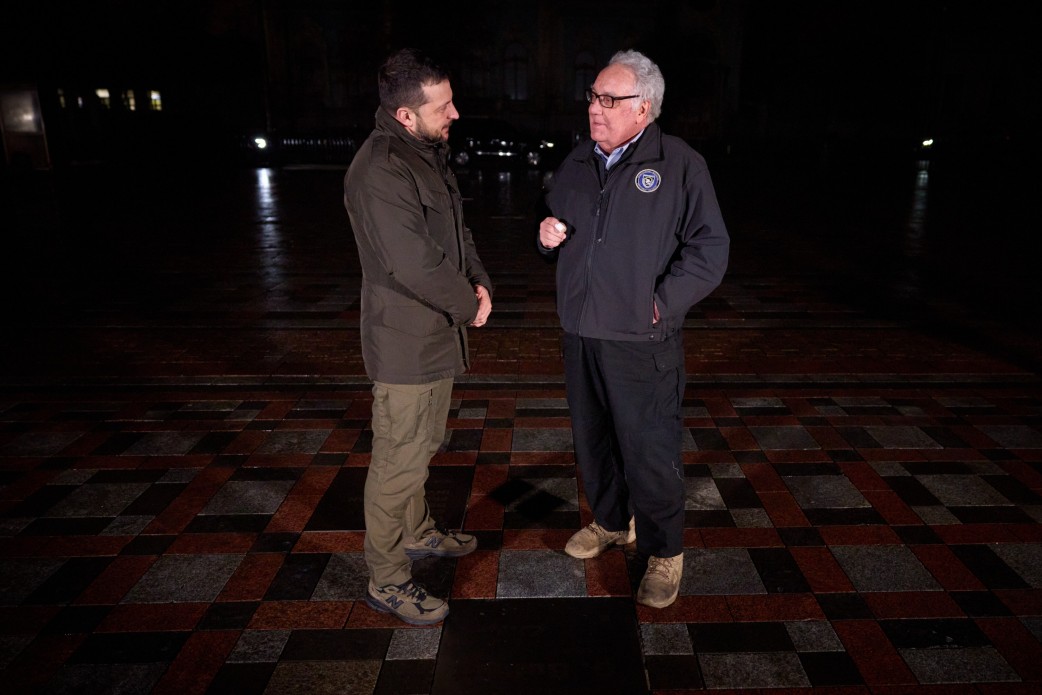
(616,154)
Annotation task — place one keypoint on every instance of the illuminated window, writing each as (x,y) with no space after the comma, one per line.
(129,100)
(61,98)
(155,100)
(103,97)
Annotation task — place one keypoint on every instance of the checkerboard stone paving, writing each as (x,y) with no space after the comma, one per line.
(210,541)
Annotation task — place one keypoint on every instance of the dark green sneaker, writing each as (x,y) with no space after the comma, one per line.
(409,602)
(440,543)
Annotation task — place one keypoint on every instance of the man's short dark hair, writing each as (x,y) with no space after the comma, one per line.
(404,75)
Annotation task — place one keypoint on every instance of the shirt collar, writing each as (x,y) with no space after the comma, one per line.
(611,159)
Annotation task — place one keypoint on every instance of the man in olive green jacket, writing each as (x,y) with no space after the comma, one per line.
(422,284)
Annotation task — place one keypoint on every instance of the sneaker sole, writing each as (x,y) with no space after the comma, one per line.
(421,553)
(380,606)
(663,604)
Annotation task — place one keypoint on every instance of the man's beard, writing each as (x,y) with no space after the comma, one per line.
(432,137)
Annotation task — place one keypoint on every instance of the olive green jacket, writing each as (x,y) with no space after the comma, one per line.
(419,264)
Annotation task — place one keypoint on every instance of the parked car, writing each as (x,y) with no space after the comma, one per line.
(491,141)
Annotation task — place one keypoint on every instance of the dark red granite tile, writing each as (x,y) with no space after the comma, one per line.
(692,538)
(301,615)
(329,542)
(740,538)
(116,580)
(688,609)
(739,439)
(477,575)
(763,477)
(276,410)
(293,514)
(912,604)
(859,535)
(783,456)
(340,441)
(774,607)
(863,476)
(197,663)
(245,442)
(1022,601)
(961,534)
(252,577)
(1016,644)
(314,481)
(876,659)
(536,539)
(946,568)
(210,543)
(25,619)
(153,617)
(821,570)
(81,546)
(892,508)
(1028,533)
(607,576)
(497,439)
(828,438)
(279,460)
(783,509)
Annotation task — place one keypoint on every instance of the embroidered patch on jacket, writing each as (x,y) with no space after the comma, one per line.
(647,180)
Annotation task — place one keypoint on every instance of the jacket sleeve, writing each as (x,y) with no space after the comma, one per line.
(390,208)
(698,265)
(472,264)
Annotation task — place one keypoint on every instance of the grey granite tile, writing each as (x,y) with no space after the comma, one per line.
(814,636)
(539,574)
(1034,625)
(788,437)
(758,402)
(694,411)
(719,571)
(702,493)
(665,638)
(11,646)
(127,526)
(825,492)
(1014,436)
(963,665)
(472,413)
(259,646)
(884,568)
(106,679)
(753,670)
(98,499)
(751,518)
(1034,511)
(962,491)
(411,644)
(73,476)
(1024,558)
(346,578)
(542,404)
(164,444)
(13,525)
(324,678)
(39,443)
(860,402)
(184,578)
(902,437)
(562,494)
(542,439)
(209,406)
(726,470)
(911,410)
(249,497)
(179,475)
(890,469)
(323,404)
(19,577)
(936,515)
(294,442)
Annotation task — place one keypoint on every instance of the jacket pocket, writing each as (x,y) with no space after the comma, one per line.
(399,313)
(438,201)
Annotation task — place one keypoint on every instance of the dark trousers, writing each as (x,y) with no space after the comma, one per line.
(625,401)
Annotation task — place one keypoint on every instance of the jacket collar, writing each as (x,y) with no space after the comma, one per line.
(387,123)
(647,147)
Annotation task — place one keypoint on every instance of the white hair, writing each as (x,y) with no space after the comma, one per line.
(650,84)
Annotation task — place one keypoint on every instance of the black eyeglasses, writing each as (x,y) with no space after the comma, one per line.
(606,100)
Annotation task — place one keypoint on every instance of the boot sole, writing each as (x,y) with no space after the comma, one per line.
(601,550)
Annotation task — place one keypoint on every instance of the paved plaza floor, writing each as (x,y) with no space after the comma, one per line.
(184,435)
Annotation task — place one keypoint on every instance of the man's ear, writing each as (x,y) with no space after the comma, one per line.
(644,109)
(404,116)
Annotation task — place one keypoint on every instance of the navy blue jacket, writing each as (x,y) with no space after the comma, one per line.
(647,230)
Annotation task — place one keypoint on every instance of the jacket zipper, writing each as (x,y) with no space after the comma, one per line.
(598,238)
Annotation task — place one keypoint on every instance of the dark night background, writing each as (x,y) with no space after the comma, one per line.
(812,112)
